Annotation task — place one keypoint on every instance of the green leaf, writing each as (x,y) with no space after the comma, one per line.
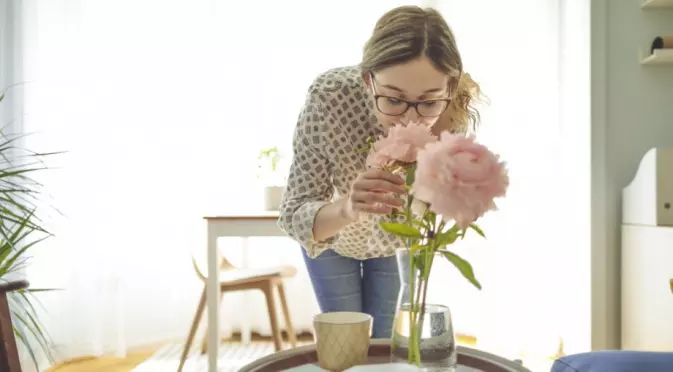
(362,150)
(27,326)
(9,265)
(446,238)
(478,230)
(421,223)
(417,262)
(419,249)
(463,266)
(20,335)
(401,230)
(272,154)
(20,230)
(28,321)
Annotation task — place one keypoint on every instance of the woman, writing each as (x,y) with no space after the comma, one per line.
(411,70)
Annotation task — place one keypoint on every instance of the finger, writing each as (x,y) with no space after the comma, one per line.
(368,197)
(373,174)
(379,185)
(372,208)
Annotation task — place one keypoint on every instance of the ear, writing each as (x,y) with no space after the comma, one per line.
(367,78)
(444,122)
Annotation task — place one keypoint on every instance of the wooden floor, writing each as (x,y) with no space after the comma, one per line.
(135,358)
(107,364)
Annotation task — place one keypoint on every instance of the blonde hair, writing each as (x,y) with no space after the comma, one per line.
(409,32)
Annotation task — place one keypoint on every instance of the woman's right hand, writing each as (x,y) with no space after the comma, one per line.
(374,191)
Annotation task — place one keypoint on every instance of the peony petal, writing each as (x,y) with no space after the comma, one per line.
(459,178)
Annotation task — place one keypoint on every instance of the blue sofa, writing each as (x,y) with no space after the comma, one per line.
(615,361)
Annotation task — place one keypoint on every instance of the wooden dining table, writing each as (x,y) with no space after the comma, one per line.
(243,226)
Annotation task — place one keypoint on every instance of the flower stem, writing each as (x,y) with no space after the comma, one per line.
(426,280)
(418,304)
(415,341)
(415,314)
(412,307)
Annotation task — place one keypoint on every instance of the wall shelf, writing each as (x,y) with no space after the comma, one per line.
(651,4)
(659,57)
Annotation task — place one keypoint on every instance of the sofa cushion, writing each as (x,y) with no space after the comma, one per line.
(615,361)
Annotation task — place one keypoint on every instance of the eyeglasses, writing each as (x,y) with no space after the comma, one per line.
(393,106)
(397,107)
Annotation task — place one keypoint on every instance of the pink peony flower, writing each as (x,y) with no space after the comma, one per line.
(459,178)
(400,145)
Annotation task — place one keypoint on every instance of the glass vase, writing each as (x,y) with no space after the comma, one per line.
(422,333)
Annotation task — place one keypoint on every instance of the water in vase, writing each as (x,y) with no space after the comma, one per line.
(438,341)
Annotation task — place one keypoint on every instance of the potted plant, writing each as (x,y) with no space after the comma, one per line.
(274,181)
(21,230)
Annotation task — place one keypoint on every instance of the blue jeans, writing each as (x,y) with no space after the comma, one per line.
(347,284)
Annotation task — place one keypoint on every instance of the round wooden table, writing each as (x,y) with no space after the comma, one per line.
(379,352)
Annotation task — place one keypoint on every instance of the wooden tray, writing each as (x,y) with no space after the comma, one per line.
(379,352)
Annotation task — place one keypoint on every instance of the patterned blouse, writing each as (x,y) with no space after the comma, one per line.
(333,126)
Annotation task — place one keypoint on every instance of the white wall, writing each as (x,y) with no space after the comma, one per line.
(632,111)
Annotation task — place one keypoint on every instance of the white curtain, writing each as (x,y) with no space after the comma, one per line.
(512,50)
(11,66)
(12,88)
(163,106)
(527,56)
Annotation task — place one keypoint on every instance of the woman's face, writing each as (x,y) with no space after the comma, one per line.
(414,91)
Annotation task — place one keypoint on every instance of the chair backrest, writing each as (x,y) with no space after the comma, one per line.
(224,265)
(9,354)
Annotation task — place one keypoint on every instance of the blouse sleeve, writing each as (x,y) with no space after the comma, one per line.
(309,185)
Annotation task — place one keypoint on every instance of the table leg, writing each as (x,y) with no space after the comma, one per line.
(213,300)
(246,329)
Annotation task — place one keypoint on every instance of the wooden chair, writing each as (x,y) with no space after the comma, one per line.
(9,355)
(233,279)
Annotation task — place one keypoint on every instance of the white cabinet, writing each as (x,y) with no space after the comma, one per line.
(647,254)
(647,296)
(648,198)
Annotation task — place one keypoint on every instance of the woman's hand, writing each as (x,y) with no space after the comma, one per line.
(374,192)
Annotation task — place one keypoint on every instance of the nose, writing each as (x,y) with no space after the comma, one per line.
(411,116)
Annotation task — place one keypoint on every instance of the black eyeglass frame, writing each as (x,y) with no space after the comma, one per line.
(409,104)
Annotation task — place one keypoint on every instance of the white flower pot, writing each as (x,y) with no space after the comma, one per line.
(272,197)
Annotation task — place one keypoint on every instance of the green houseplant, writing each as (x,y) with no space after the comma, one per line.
(268,162)
(20,230)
